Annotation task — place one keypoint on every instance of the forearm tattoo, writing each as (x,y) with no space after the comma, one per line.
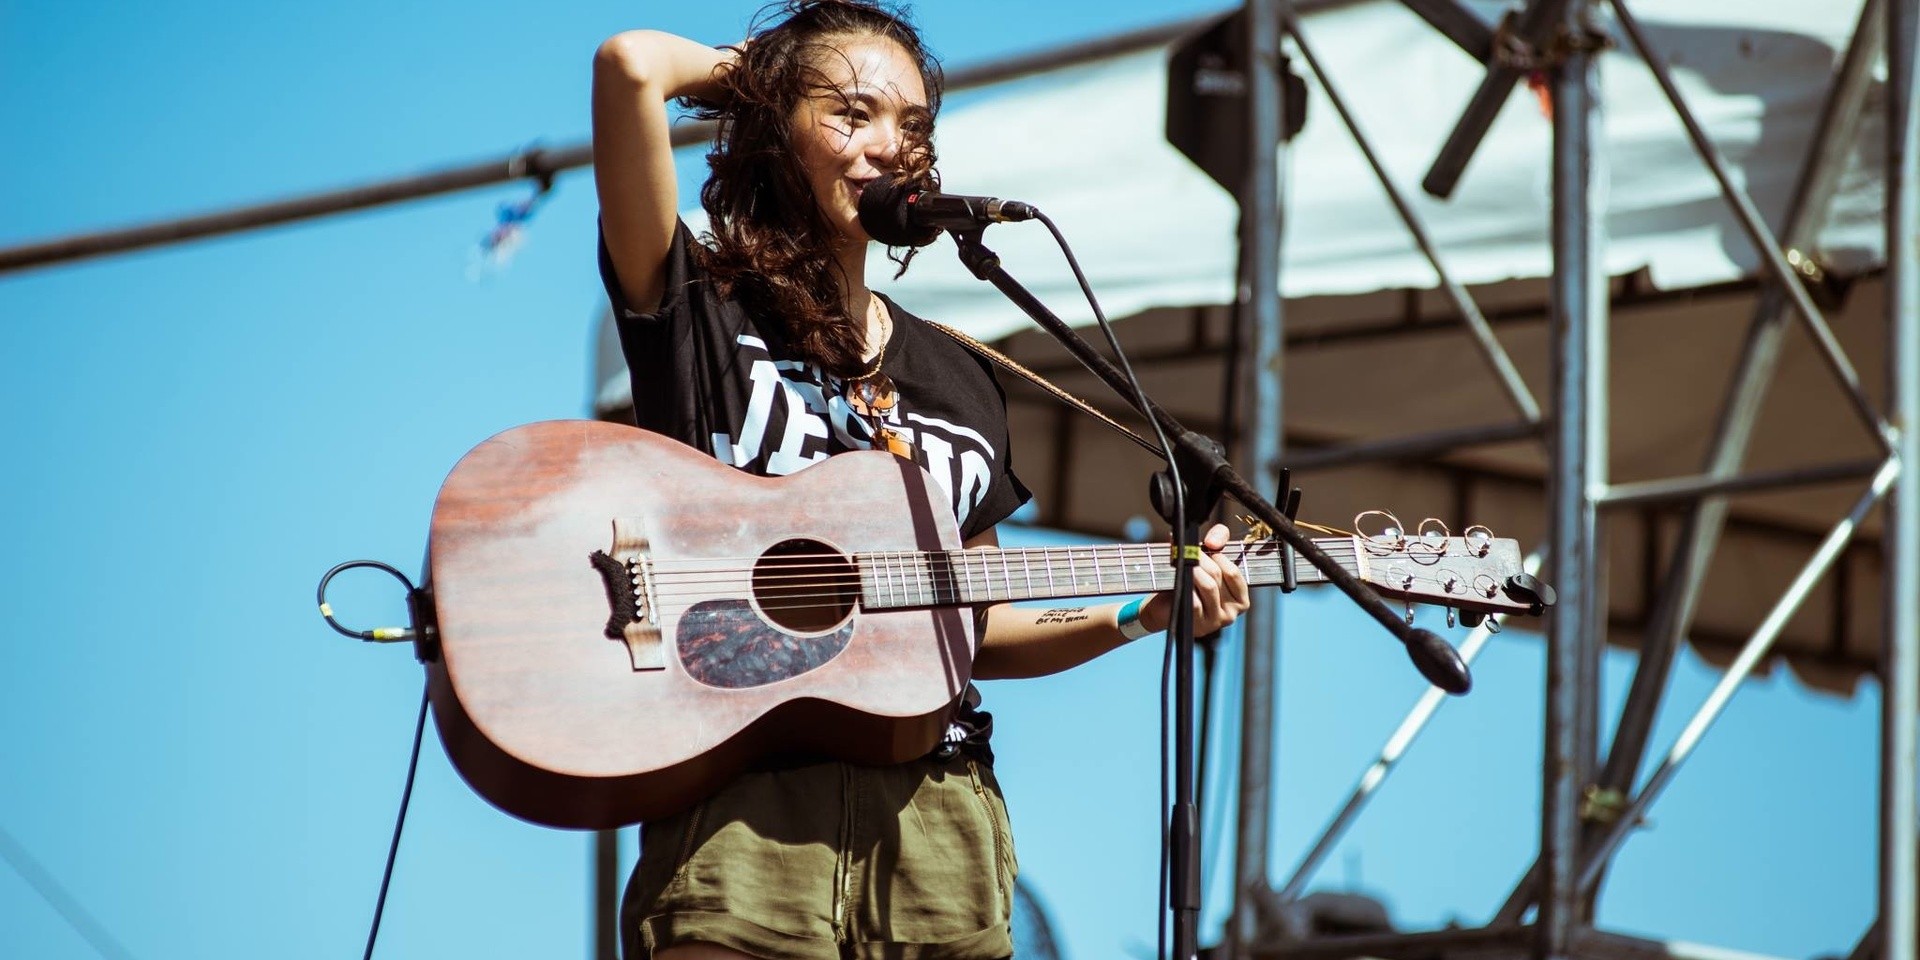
(1063,615)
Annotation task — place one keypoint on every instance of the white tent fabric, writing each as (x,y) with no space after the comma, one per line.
(1086,144)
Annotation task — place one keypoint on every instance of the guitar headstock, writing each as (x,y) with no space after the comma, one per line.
(1477,572)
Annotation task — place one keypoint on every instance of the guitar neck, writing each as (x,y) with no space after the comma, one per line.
(893,580)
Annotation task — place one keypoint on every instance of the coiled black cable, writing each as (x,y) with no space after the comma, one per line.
(377,634)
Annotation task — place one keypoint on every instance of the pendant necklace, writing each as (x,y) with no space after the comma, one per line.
(871,393)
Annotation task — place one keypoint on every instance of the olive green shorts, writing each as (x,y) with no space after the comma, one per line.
(832,860)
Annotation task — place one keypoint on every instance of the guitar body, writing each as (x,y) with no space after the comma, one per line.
(554,717)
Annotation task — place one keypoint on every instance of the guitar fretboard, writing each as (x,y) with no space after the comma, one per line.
(947,577)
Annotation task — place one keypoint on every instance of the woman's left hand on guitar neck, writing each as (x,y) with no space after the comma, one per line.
(1220,593)
(1018,642)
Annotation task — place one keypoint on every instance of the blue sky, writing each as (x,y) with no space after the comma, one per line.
(194,434)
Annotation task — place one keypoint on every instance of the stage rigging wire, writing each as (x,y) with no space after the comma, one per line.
(57,897)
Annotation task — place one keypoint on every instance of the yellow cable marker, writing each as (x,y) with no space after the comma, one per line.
(326,610)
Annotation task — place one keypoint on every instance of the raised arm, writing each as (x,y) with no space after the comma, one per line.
(634,75)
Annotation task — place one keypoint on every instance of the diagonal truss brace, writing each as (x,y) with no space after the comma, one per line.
(1496,355)
(1594,858)
(1760,235)
(1531,28)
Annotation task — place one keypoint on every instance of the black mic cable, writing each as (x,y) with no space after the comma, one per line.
(1178,534)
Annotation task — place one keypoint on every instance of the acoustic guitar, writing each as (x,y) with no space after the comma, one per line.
(624,623)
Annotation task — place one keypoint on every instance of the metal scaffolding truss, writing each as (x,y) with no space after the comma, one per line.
(1591,802)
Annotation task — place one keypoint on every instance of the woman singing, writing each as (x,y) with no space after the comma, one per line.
(760,343)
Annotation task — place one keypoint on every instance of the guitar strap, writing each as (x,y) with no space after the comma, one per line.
(1008,363)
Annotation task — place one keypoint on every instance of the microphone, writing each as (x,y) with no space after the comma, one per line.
(899,214)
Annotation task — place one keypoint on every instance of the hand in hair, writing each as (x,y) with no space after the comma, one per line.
(634,75)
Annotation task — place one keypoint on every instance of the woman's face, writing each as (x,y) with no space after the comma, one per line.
(852,131)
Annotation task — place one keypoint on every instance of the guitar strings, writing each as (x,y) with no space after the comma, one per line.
(883,567)
(887,564)
(909,578)
(846,585)
(1026,556)
(1061,554)
(844,589)
(1244,548)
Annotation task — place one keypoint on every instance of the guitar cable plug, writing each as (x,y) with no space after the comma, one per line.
(419,611)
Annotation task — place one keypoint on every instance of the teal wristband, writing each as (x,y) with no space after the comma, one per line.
(1129,619)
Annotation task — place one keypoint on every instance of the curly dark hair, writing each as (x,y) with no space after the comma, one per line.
(771,244)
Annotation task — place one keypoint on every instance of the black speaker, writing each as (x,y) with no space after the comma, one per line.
(1207,100)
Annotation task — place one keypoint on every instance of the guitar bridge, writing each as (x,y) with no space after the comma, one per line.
(628,572)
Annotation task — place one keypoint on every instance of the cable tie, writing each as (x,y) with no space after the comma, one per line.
(1602,804)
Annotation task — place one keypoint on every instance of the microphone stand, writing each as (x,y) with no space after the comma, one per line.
(1207,474)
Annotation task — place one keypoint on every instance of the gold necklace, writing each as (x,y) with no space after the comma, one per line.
(874,306)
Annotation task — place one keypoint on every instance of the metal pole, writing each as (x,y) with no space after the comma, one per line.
(534,164)
(1262,220)
(1707,485)
(538,165)
(1827,151)
(1538,21)
(1900,662)
(606,895)
(1578,448)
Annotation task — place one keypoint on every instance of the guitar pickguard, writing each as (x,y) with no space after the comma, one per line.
(724,643)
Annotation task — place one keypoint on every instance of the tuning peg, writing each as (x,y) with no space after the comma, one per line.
(1479,539)
(1532,591)
(1451,613)
(1471,618)
(1409,613)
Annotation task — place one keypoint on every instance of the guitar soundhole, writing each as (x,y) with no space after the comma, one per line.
(805,586)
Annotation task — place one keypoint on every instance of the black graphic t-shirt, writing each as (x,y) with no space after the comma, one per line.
(708,373)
